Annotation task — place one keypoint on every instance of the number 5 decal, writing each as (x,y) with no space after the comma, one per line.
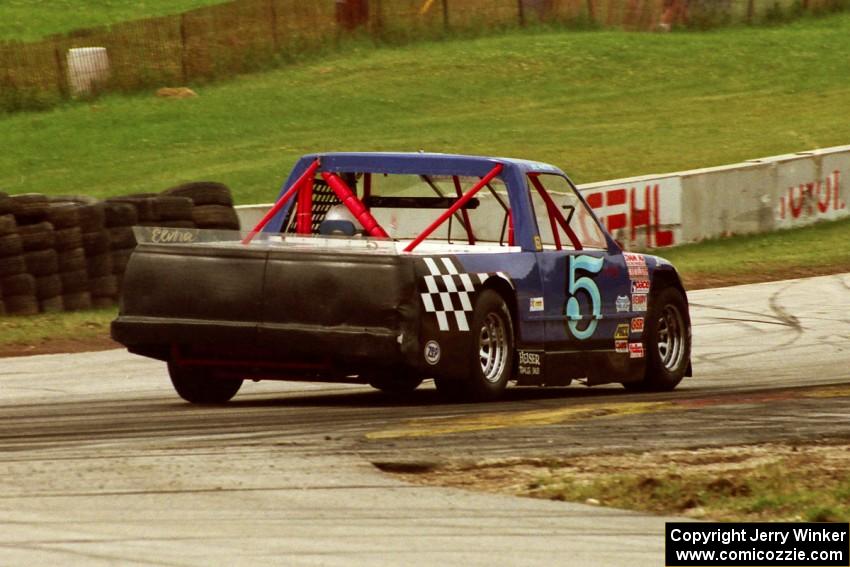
(590,265)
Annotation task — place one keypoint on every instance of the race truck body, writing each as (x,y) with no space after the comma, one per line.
(393,268)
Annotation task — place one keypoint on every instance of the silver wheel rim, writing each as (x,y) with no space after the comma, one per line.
(492,347)
(671,337)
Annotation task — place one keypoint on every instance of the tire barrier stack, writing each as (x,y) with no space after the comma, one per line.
(69,253)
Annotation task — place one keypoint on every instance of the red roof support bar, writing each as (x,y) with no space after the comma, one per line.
(454,208)
(554,213)
(307,175)
(355,205)
(304,216)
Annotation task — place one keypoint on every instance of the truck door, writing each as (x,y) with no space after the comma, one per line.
(587,304)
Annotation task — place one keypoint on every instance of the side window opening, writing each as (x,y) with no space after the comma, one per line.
(563,220)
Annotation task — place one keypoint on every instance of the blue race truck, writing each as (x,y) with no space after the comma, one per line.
(392,268)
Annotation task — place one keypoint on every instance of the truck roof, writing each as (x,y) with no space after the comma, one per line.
(420,163)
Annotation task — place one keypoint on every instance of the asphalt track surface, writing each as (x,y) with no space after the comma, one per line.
(101,463)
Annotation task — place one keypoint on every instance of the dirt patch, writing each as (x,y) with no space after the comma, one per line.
(58,346)
(727,483)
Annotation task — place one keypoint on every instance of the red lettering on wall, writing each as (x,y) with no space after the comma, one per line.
(812,199)
(635,210)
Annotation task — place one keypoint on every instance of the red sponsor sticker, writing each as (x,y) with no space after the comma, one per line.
(639,302)
(635,350)
(637,325)
(641,286)
(621,346)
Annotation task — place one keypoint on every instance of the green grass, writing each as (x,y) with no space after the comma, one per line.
(27,20)
(601,104)
(821,248)
(78,326)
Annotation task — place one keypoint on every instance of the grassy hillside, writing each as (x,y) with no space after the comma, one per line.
(26,20)
(599,104)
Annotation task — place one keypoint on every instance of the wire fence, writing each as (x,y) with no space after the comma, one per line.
(246,35)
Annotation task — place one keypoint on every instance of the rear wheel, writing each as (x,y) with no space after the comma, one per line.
(201,386)
(491,351)
(667,342)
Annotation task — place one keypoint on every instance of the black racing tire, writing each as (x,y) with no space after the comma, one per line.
(39,236)
(666,342)
(6,204)
(75,282)
(102,302)
(394,382)
(203,193)
(8,225)
(491,352)
(11,265)
(215,216)
(11,245)
(48,286)
(72,260)
(103,287)
(145,206)
(121,237)
(200,385)
(99,266)
(29,208)
(174,208)
(120,214)
(96,243)
(51,305)
(42,262)
(91,212)
(63,215)
(68,239)
(19,284)
(80,301)
(21,304)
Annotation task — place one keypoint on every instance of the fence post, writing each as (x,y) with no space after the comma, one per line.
(446,24)
(61,77)
(521,11)
(751,10)
(183,57)
(591,11)
(273,23)
(379,17)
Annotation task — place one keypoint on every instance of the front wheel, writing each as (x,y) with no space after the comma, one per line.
(201,386)
(667,342)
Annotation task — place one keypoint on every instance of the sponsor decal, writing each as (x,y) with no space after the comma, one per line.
(639,302)
(637,325)
(538,244)
(432,352)
(621,347)
(529,363)
(622,331)
(575,283)
(640,287)
(636,266)
(622,303)
(635,350)
(161,235)
(536,304)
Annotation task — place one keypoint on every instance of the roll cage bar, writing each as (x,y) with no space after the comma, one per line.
(303,189)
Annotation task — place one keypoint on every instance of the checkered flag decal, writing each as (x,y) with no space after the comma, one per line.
(449,294)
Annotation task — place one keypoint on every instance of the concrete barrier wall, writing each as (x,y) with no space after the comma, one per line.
(759,195)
